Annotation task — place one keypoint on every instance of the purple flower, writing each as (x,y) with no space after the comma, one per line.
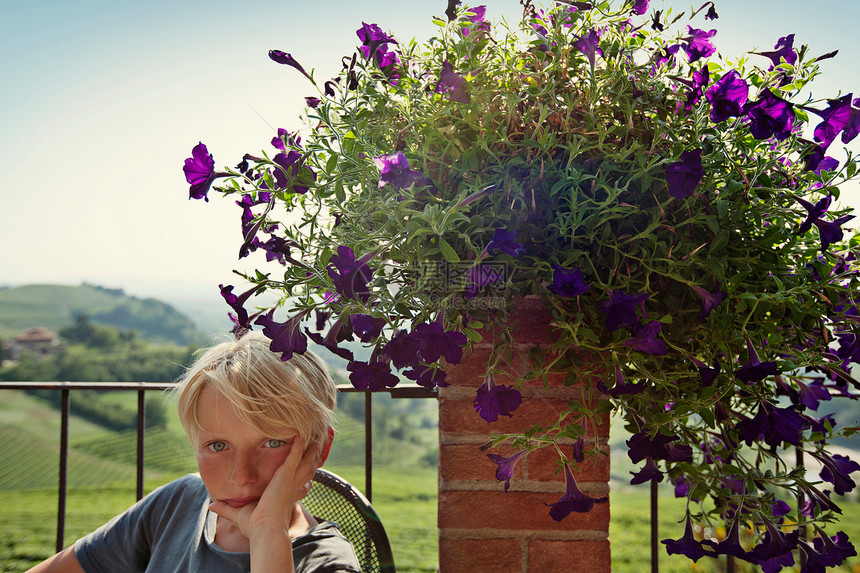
(828,552)
(286,337)
(505,471)
(588,45)
(506,242)
(812,394)
(645,339)
(731,545)
(640,7)
(578,447)
(696,88)
(199,171)
(568,282)
(237,303)
(754,370)
(403,349)
(477,17)
(770,116)
(366,327)
(372,375)
(837,117)
(492,400)
(698,44)
(350,276)
(436,342)
(572,500)
(286,59)
(649,472)
(828,231)
(774,552)
(727,96)
(428,377)
(312,102)
(707,373)
(774,425)
(483,275)
(682,486)
(620,310)
(710,301)
(277,249)
(641,446)
(836,469)
(783,50)
(684,176)
(687,544)
(452,84)
(711,14)
(621,386)
(374,45)
(394,170)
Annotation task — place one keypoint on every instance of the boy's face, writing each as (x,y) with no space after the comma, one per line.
(235,460)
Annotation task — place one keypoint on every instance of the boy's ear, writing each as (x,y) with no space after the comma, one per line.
(326,447)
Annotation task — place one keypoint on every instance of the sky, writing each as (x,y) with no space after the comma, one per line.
(102,100)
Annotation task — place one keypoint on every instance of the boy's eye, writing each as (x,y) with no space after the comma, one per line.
(217,446)
(274,443)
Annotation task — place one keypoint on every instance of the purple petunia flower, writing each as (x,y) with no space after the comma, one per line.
(640,7)
(403,349)
(687,544)
(427,377)
(483,275)
(774,425)
(649,472)
(684,176)
(394,170)
(588,44)
(573,500)
(504,241)
(783,50)
(374,45)
(286,59)
(237,303)
(696,88)
(707,373)
(620,310)
(492,400)
(731,545)
(711,14)
(477,17)
(837,469)
(452,84)
(770,116)
(641,446)
(828,231)
(810,395)
(754,370)
(312,102)
(774,551)
(710,300)
(350,276)
(567,282)
(828,552)
(505,471)
(436,342)
(645,340)
(727,96)
(372,375)
(578,450)
(698,44)
(366,327)
(836,118)
(199,171)
(286,337)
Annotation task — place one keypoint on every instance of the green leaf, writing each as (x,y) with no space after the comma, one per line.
(447,251)
(472,335)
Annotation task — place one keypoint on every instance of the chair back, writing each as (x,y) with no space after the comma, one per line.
(332,498)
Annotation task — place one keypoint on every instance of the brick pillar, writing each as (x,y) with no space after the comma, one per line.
(481,527)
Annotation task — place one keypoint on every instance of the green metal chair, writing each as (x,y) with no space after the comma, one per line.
(332,498)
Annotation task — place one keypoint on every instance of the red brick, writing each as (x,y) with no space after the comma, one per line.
(468,462)
(569,556)
(514,510)
(480,556)
(542,464)
(459,416)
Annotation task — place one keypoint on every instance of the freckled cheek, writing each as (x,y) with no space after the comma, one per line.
(270,461)
(211,468)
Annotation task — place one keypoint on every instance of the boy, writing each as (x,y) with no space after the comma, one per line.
(260,428)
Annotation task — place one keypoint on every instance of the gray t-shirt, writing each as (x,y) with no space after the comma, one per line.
(172,530)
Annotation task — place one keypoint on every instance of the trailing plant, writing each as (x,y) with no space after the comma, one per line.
(675,212)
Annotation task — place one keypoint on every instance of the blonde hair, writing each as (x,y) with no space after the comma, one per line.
(265,392)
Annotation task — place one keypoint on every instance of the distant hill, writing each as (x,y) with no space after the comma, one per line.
(54,307)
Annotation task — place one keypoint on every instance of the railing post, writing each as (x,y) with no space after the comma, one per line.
(368,445)
(655,530)
(64,465)
(141,433)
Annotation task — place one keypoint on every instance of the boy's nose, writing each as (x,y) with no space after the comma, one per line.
(244,470)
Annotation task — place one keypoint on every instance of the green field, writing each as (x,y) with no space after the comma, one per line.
(101,484)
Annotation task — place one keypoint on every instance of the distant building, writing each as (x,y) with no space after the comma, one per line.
(36,340)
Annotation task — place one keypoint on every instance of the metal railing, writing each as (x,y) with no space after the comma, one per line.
(65,389)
